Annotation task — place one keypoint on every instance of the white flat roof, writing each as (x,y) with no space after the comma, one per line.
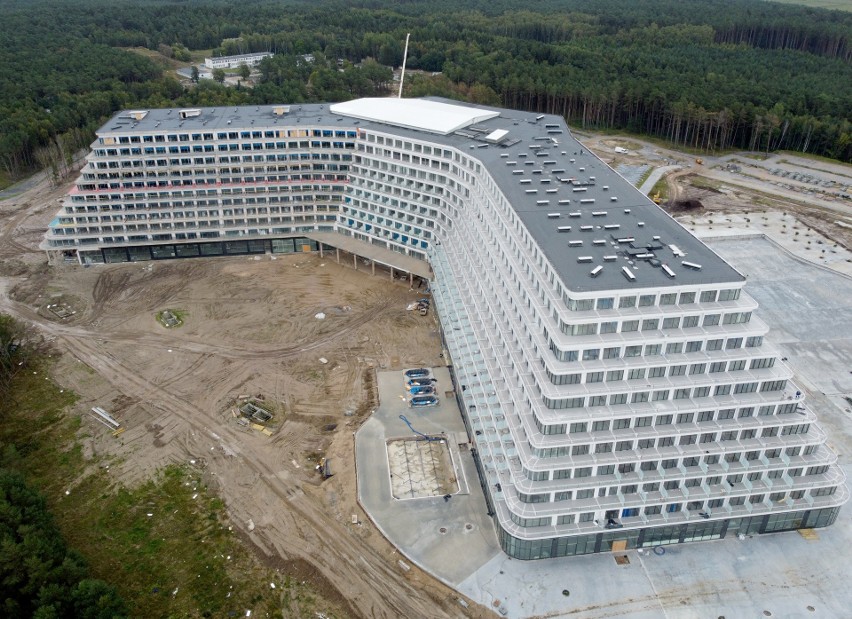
(431,116)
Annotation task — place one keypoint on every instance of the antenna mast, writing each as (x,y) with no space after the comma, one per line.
(404,58)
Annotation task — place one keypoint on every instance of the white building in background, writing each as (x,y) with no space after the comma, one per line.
(233,62)
(612,371)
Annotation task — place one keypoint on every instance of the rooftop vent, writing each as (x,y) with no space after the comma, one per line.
(192,113)
(554,190)
(565,201)
(564,228)
(552,215)
(599,242)
(532,190)
(575,243)
(627,211)
(610,258)
(668,271)
(585,259)
(504,155)
(587,201)
(280,110)
(612,226)
(628,274)
(596,271)
(598,213)
(579,189)
(587,228)
(691,265)
(613,199)
(135,114)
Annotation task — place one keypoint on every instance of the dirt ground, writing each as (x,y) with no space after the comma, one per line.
(249,331)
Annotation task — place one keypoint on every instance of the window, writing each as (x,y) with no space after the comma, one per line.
(600,426)
(603,448)
(646,443)
(711,320)
(624,445)
(709,437)
(627,467)
(697,368)
(652,510)
(566,519)
(657,372)
(736,366)
(730,435)
(643,422)
(591,354)
(639,397)
(597,400)
(690,321)
(614,375)
(666,441)
(585,494)
(746,411)
(664,420)
(688,439)
(647,300)
(726,413)
(636,374)
(653,349)
(594,377)
(736,500)
(754,342)
(577,428)
(674,348)
(629,325)
(661,395)
(705,416)
(612,353)
(583,471)
(708,296)
(605,303)
(714,345)
(579,450)
(617,398)
(622,424)
(677,370)
(684,418)
(717,366)
(686,298)
(650,324)
(681,394)
(722,390)
(633,351)
(609,327)
(671,323)
(736,318)
(759,364)
(734,343)
(693,346)
(668,299)
(626,302)
(748,434)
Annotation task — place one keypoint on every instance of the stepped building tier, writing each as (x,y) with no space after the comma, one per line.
(611,368)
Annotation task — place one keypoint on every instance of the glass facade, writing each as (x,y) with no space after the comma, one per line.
(661,536)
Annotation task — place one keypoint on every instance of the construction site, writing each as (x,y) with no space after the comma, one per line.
(257,371)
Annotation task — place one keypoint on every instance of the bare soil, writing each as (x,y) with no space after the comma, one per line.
(249,331)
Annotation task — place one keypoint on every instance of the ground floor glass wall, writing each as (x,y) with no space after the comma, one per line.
(143,253)
(660,536)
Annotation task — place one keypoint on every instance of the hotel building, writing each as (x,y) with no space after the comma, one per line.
(611,368)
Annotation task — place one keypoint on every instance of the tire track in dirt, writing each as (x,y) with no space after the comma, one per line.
(324,542)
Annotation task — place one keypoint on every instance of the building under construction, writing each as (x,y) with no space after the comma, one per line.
(614,378)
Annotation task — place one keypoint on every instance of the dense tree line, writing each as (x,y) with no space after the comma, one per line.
(39,576)
(709,74)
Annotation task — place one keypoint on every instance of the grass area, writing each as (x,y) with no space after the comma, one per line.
(166,545)
(837,5)
(702,182)
(655,141)
(755,156)
(5,180)
(661,187)
(645,175)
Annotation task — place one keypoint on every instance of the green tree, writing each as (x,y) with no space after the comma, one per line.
(244,71)
(219,75)
(194,74)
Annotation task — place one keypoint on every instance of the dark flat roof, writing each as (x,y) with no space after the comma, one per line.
(550,179)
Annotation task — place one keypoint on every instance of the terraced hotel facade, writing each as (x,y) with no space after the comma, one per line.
(611,368)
